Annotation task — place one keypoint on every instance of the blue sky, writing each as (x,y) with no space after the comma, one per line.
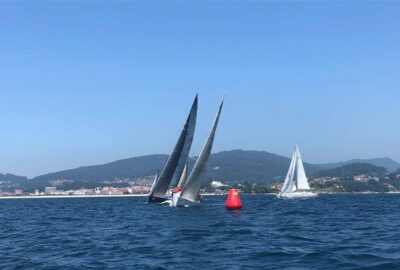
(83,83)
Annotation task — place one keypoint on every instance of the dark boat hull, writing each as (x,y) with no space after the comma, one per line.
(156,199)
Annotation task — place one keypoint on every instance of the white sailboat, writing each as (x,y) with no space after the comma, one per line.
(296,183)
(190,193)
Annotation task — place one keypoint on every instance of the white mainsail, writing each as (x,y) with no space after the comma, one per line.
(191,189)
(302,182)
(296,184)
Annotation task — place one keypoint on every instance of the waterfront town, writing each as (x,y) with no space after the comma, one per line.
(326,184)
(139,187)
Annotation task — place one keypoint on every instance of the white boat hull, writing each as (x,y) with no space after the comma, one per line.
(178,201)
(297,194)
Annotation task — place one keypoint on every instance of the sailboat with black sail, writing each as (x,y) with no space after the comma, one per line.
(176,161)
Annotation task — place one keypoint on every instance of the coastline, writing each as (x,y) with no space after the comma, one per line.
(68,196)
(144,195)
(82,196)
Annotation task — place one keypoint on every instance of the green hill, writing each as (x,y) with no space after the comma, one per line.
(10,181)
(251,166)
(353,169)
(387,163)
(236,166)
(228,166)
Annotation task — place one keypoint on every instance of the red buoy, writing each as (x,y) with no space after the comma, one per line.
(233,202)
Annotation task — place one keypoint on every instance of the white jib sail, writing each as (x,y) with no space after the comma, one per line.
(154,184)
(182,180)
(288,184)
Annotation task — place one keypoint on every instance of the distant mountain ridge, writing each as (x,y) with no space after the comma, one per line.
(124,168)
(11,181)
(353,169)
(227,166)
(388,163)
(12,177)
(251,166)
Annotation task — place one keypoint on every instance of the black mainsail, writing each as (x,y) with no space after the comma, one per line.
(177,159)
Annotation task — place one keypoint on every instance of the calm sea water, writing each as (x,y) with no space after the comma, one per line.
(329,232)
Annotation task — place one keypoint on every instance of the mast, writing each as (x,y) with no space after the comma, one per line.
(185,138)
(192,187)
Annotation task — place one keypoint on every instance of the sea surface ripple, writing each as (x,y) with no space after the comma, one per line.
(328,232)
